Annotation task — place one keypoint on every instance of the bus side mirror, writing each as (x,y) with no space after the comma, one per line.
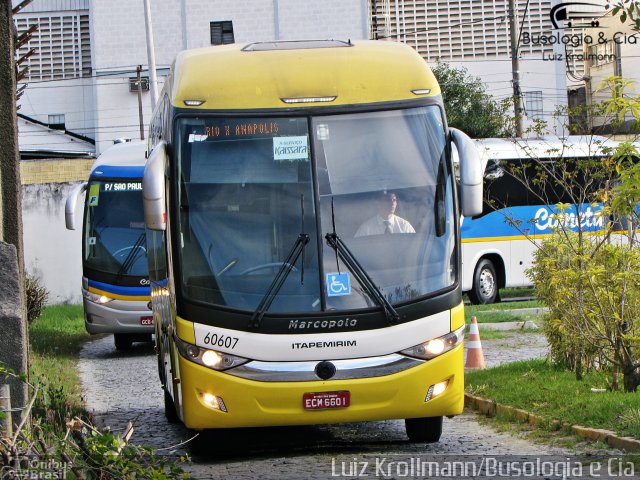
(470,173)
(70,205)
(153,185)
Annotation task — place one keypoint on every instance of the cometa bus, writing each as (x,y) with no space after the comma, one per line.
(282,293)
(498,245)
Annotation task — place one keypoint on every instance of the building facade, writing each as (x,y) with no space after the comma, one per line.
(615,54)
(475,35)
(82,75)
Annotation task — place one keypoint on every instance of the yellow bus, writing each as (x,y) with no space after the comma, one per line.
(304,237)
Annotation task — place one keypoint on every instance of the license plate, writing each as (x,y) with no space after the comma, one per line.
(317,401)
(146,320)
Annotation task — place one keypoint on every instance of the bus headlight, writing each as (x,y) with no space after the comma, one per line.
(208,358)
(436,346)
(95,298)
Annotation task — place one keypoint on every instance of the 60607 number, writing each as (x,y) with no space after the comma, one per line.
(221,341)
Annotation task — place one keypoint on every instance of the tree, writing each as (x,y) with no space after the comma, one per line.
(627,10)
(590,280)
(468,105)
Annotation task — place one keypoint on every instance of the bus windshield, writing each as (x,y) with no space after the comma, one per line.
(114,237)
(379,181)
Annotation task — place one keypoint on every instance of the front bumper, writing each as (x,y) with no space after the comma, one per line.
(251,403)
(117,316)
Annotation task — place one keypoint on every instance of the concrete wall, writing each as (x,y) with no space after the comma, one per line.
(52,253)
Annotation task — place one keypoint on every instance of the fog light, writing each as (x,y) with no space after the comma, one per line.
(214,402)
(435,390)
(439,388)
(210,358)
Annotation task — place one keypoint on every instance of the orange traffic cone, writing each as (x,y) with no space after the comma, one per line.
(475,357)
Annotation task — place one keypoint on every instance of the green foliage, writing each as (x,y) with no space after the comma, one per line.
(590,282)
(36,297)
(61,442)
(627,10)
(623,102)
(592,290)
(468,106)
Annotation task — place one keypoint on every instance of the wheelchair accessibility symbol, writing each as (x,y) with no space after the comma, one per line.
(338,284)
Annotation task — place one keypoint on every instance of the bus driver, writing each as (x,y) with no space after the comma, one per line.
(386,220)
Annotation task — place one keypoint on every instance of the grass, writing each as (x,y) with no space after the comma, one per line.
(491,334)
(502,312)
(55,340)
(554,393)
(517,292)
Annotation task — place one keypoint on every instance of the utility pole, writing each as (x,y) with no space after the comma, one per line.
(151,55)
(13,340)
(139,88)
(515,67)
(183,18)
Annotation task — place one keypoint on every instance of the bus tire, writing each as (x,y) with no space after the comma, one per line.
(485,283)
(122,341)
(170,408)
(424,430)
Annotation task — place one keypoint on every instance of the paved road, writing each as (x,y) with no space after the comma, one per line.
(301,452)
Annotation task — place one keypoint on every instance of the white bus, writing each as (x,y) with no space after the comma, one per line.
(498,245)
(115,274)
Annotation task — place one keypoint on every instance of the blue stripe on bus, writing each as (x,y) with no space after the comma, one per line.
(108,171)
(530,220)
(118,290)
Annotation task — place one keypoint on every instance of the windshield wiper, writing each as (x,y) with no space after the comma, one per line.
(131,256)
(286,268)
(335,242)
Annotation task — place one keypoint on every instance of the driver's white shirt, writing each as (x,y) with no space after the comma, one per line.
(376,226)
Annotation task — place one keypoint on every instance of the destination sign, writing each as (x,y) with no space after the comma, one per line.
(121,186)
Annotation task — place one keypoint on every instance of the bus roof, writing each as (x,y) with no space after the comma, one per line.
(124,160)
(544,147)
(262,75)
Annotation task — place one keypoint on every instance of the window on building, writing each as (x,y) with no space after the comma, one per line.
(446,29)
(56,121)
(61,44)
(533,104)
(601,54)
(222,32)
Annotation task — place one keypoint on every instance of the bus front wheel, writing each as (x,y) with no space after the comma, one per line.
(424,430)
(485,283)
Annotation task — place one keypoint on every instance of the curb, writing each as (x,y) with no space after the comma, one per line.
(490,408)
(508,326)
